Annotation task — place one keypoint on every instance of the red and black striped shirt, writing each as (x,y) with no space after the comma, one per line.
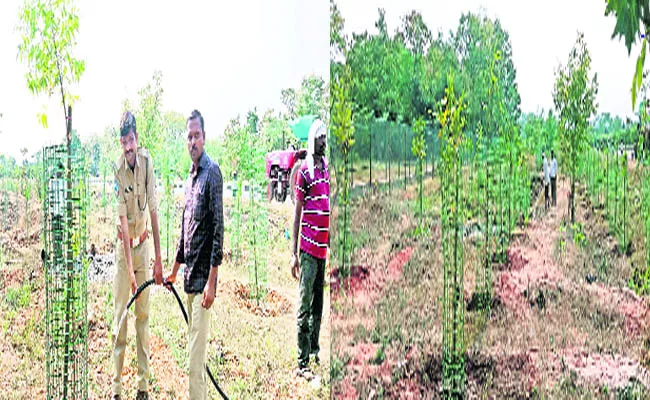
(315,193)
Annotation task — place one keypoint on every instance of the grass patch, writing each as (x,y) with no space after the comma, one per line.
(337,370)
(19,297)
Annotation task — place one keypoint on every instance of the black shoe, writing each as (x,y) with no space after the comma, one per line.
(116,397)
(142,395)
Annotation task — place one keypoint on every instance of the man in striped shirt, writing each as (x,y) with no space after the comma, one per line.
(311,221)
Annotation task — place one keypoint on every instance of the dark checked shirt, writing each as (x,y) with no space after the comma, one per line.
(200,246)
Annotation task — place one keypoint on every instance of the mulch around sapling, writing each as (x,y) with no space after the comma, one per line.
(273,304)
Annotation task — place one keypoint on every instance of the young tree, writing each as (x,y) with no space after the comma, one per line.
(150,118)
(48,30)
(48,36)
(451,116)
(343,133)
(574,96)
(418,147)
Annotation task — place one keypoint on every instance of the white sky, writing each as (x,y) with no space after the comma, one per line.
(220,57)
(542,34)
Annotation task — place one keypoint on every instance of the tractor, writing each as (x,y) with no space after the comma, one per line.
(282,165)
(281,170)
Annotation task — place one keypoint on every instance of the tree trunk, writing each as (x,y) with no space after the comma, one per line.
(70,256)
(370,136)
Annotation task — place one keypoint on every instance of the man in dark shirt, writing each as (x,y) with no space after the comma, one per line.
(200,248)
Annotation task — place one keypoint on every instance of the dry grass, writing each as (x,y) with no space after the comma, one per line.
(508,356)
(252,356)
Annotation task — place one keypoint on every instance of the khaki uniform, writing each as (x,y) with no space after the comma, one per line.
(136,195)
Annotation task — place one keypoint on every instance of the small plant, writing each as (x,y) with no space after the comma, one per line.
(562,238)
(568,384)
(380,355)
(337,367)
(19,297)
(602,266)
(633,390)
(579,237)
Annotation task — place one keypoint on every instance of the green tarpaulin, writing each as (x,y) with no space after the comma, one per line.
(300,126)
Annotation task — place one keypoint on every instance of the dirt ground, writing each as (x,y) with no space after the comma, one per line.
(252,348)
(561,325)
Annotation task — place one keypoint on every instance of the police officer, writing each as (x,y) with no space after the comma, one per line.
(135,192)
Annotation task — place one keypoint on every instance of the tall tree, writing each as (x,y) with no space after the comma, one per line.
(574,96)
(417,35)
(252,121)
(274,131)
(338,40)
(313,97)
(417,38)
(477,40)
(150,117)
(289,100)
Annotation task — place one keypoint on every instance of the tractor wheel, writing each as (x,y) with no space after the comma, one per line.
(293,178)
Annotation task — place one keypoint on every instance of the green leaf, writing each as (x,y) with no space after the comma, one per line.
(638,73)
(42,119)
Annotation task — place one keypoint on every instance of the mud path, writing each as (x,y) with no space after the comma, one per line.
(532,264)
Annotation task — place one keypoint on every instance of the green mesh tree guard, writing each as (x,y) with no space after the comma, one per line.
(453,319)
(64,242)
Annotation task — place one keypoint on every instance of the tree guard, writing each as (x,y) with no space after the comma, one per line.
(66,292)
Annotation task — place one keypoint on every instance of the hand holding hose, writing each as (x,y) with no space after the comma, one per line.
(169,281)
(171,278)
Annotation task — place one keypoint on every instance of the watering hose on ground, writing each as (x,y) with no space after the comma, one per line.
(180,304)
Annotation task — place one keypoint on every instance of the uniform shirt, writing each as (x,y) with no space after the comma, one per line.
(135,191)
(553,172)
(200,245)
(315,193)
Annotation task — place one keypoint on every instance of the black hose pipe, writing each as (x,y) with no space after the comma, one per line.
(170,286)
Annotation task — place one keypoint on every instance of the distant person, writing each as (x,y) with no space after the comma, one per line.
(312,214)
(547,180)
(553,176)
